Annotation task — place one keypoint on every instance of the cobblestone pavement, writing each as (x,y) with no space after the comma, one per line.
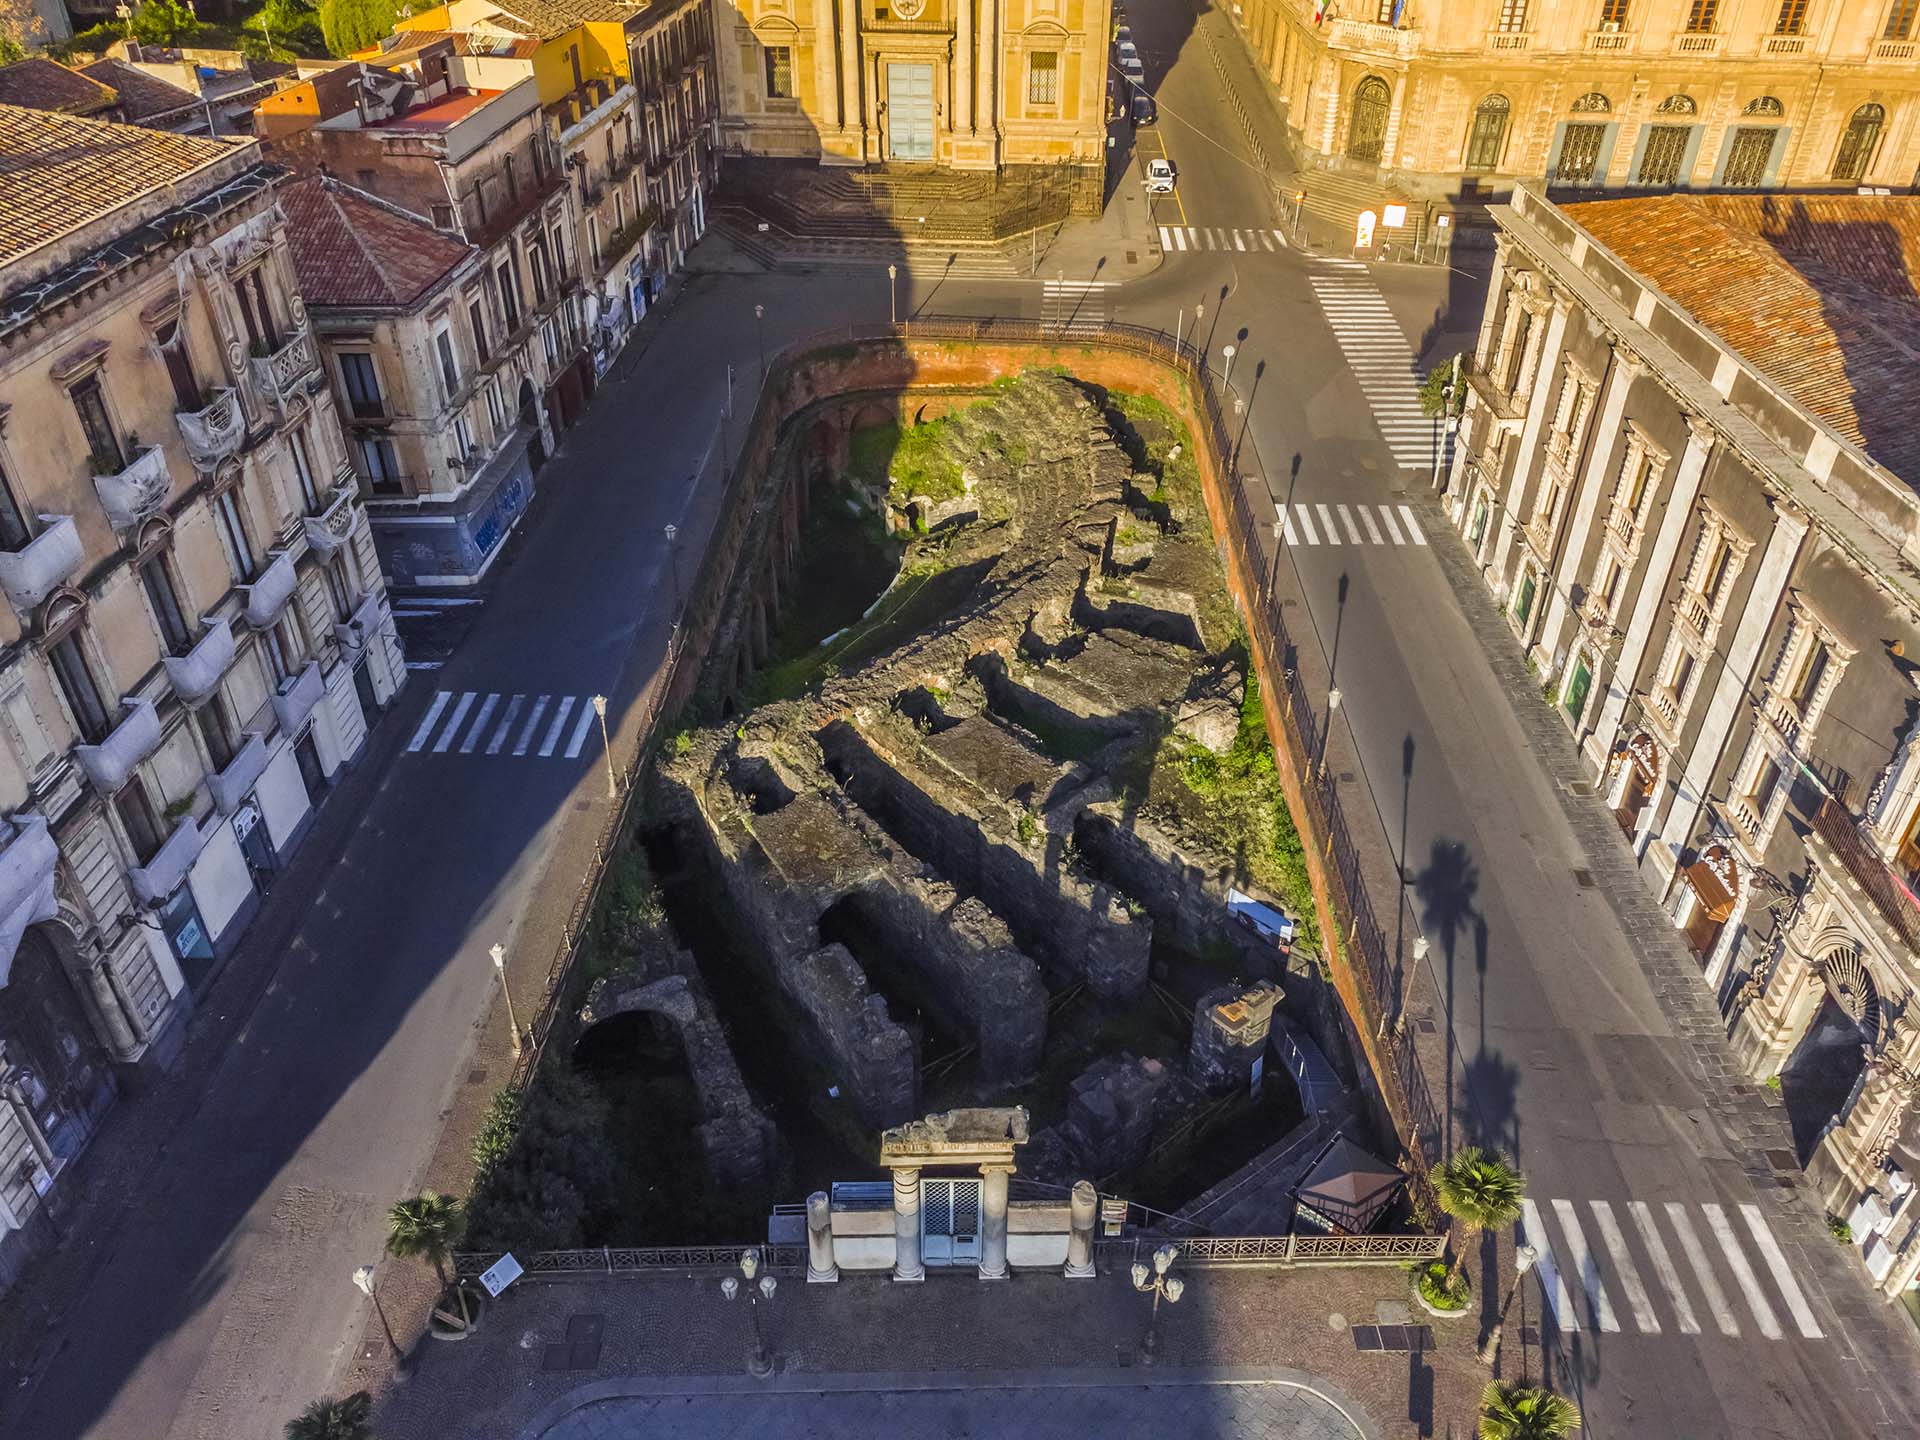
(1196,1406)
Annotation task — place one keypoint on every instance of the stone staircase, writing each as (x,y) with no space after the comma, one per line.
(1336,199)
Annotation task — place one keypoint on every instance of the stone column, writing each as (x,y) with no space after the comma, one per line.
(821,1269)
(127,1007)
(1081,1211)
(1396,108)
(963,71)
(906,1225)
(986,113)
(120,1036)
(30,1126)
(993,1221)
(853,114)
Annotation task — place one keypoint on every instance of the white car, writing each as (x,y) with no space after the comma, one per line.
(1160,177)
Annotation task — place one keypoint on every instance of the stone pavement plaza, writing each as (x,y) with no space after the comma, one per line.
(1245,1353)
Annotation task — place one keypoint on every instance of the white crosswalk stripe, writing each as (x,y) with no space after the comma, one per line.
(1377,353)
(1071,304)
(1578,1280)
(1245,240)
(445,728)
(1383,524)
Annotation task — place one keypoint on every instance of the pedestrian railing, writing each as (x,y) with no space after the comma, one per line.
(1209,1252)
(616,1260)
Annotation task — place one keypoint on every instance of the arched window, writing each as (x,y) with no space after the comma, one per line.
(1677,105)
(1489,137)
(1367,136)
(1765,105)
(1592,103)
(1858,142)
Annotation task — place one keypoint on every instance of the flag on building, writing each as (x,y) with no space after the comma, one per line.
(1319,11)
(1399,9)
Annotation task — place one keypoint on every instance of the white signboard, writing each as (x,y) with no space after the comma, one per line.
(1395,217)
(1363,230)
(1259,1071)
(502,1273)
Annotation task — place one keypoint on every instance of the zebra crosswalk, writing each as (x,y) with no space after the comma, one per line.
(1580,1279)
(1072,304)
(1351,524)
(1377,352)
(495,724)
(1212,237)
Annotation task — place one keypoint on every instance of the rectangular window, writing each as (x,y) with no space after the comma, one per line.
(1043,78)
(1683,666)
(339,593)
(1900,19)
(779,61)
(362,382)
(1613,12)
(138,819)
(1718,567)
(462,437)
(1513,15)
(537,264)
(449,371)
(509,294)
(233,530)
(254,310)
(173,350)
(103,444)
(280,655)
(1813,671)
(76,684)
(1666,151)
(174,631)
(14,530)
(1765,782)
(443,218)
(383,470)
(216,729)
(477,317)
(1793,17)
(1700,16)
(303,467)
(496,413)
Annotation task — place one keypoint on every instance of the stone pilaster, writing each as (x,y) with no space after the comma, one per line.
(907,1264)
(993,1221)
(1081,1212)
(821,1267)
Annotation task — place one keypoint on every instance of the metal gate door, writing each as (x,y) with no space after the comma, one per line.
(1747,158)
(950,1222)
(910,112)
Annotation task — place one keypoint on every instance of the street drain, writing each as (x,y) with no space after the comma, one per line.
(1583,878)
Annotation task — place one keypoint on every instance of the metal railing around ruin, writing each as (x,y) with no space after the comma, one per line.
(610,1261)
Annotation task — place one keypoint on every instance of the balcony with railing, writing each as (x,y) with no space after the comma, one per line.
(167,870)
(44,563)
(1782,715)
(1663,708)
(279,376)
(1623,525)
(1363,37)
(267,596)
(1697,44)
(296,698)
(1492,396)
(233,784)
(1695,612)
(26,867)
(1610,40)
(195,675)
(331,526)
(1747,822)
(109,764)
(1896,51)
(1848,856)
(138,490)
(1509,41)
(355,634)
(215,431)
(1784,45)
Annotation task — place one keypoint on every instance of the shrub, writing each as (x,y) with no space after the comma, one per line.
(351,25)
(164,22)
(497,1129)
(1438,1291)
(1840,1230)
(553,1184)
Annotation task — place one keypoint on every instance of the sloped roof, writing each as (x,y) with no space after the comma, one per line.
(1820,292)
(353,249)
(58,172)
(143,97)
(403,43)
(548,18)
(42,84)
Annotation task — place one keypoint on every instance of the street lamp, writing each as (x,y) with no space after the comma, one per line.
(363,1281)
(499,953)
(1523,1259)
(1326,733)
(606,744)
(1159,1284)
(760,334)
(673,558)
(1279,542)
(893,306)
(1226,376)
(761,1365)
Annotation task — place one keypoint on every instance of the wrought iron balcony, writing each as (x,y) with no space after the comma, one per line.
(1371,39)
(138,491)
(267,596)
(195,674)
(26,870)
(356,633)
(279,378)
(295,700)
(1615,40)
(1838,845)
(214,433)
(32,572)
(109,764)
(167,871)
(233,784)
(1784,44)
(331,528)
(1699,42)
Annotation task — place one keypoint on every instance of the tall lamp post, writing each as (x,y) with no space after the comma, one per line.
(1226,375)
(1523,1259)
(672,533)
(760,335)
(761,1365)
(363,1281)
(606,744)
(1155,1281)
(893,304)
(499,953)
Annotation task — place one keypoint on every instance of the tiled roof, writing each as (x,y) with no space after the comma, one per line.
(1822,293)
(351,249)
(59,171)
(142,96)
(548,18)
(42,84)
(401,45)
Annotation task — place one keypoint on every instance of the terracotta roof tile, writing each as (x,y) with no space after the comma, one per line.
(59,171)
(1822,293)
(548,18)
(143,97)
(42,84)
(351,249)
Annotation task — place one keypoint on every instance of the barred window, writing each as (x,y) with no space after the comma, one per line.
(1513,15)
(1793,17)
(779,72)
(1043,78)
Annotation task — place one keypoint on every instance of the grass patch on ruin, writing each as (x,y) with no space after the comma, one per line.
(913,463)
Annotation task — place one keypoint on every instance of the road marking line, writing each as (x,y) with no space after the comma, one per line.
(1627,1272)
(1702,1270)
(1413,525)
(1782,1274)
(1286,526)
(1386,514)
(559,719)
(1326,524)
(1281,238)
(426,724)
(1265,243)
(1366,519)
(1346,519)
(1599,1306)
(506,724)
(1742,1271)
(579,736)
(1306,524)
(1179,238)
(1193,237)
(1663,1265)
(453,725)
(1552,1287)
(526,735)
(1166,242)
(479,723)
(1239,243)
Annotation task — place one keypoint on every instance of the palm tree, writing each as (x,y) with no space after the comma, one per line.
(333,1419)
(428,1227)
(1482,1191)
(1526,1412)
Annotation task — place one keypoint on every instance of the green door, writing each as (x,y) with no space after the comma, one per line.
(1577,689)
(910,112)
(1523,603)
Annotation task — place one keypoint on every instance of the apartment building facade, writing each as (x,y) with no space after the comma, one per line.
(195,638)
(1659,94)
(1687,469)
(671,48)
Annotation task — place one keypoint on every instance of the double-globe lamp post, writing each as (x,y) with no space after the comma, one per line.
(761,1365)
(1523,1259)
(363,1282)
(1155,1281)
(499,953)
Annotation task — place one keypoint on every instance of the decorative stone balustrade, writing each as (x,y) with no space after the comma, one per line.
(110,763)
(278,377)
(1615,41)
(31,573)
(233,784)
(330,529)
(296,699)
(268,596)
(195,674)
(214,433)
(1371,39)
(1697,43)
(26,876)
(164,874)
(138,492)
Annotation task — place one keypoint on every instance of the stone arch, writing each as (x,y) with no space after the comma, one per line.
(1765,105)
(1592,103)
(1677,105)
(54,1069)
(1850,983)
(1367,128)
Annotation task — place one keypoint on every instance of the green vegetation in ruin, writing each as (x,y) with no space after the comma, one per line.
(628,913)
(1441,1291)
(545,1177)
(913,463)
(1163,447)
